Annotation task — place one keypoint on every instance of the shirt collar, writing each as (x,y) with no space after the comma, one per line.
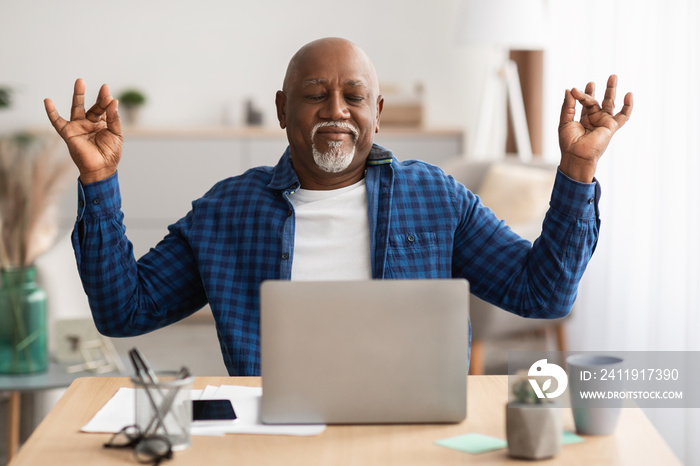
(284,177)
(283,174)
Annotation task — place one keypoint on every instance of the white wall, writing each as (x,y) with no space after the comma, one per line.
(193,59)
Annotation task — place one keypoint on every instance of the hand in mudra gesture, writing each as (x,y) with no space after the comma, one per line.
(94,138)
(583,142)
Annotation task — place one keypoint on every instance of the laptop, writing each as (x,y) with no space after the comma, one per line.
(364,352)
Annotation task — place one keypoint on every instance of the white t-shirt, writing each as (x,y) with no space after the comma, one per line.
(331,235)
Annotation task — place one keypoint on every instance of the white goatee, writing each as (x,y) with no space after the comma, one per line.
(336,158)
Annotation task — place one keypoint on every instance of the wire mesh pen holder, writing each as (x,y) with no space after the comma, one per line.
(165,407)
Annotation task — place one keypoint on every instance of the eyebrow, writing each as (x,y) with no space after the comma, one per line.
(357,83)
(321,81)
(313,82)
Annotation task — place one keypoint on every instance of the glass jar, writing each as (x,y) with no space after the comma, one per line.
(22,322)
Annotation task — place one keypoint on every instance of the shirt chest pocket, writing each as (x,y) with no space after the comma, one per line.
(415,255)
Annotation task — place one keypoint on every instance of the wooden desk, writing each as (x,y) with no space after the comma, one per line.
(58,440)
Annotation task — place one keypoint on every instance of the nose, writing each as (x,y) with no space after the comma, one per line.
(335,108)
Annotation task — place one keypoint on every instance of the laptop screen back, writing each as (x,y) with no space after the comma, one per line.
(391,351)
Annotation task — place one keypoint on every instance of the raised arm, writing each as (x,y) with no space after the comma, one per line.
(94,138)
(127,297)
(583,142)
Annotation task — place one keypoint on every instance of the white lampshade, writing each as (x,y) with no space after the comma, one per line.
(510,24)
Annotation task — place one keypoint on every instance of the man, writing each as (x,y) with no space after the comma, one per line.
(335,207)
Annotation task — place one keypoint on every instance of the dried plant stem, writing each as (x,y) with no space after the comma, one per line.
(4,257)
(32,176)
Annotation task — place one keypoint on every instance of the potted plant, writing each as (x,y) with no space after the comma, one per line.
(533,425)
(5,97)
(131,100)
(32,174)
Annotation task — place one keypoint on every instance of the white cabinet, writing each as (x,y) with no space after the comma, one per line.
(160,178)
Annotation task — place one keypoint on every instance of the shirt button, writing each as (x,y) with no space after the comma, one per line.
(290,212)
(96,201)
(81,203)
(285,256)
(590,201)
(411,238)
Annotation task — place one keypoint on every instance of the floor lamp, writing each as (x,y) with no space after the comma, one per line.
(505,25)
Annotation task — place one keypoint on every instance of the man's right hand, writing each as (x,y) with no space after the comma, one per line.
(94,138)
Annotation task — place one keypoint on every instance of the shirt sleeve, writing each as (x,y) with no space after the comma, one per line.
(129,297)
(533,280)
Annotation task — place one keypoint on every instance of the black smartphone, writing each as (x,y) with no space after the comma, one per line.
(213,410)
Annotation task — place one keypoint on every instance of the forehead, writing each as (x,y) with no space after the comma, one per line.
(326,65)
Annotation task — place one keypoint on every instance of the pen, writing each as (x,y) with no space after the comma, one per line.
(142,365)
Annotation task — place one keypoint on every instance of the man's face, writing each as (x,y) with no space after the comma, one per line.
(330,108)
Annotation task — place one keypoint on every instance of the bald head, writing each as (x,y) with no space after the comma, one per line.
(315,51)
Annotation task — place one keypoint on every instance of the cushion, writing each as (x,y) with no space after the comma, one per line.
(518,194)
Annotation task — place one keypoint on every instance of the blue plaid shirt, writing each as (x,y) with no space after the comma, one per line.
(423,224)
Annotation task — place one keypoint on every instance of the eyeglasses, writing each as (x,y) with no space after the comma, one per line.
(148,449)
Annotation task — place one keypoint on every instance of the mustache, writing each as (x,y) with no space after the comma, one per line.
(336,124)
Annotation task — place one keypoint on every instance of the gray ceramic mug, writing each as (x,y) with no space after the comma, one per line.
(588,374)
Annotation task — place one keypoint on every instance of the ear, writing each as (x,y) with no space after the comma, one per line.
(280,103)
(380,107)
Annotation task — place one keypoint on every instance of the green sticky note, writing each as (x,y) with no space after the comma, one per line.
(570,437)
(472,443)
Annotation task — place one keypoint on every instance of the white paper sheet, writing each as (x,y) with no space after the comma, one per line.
(119,412)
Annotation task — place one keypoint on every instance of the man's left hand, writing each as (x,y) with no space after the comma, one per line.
(583,142)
